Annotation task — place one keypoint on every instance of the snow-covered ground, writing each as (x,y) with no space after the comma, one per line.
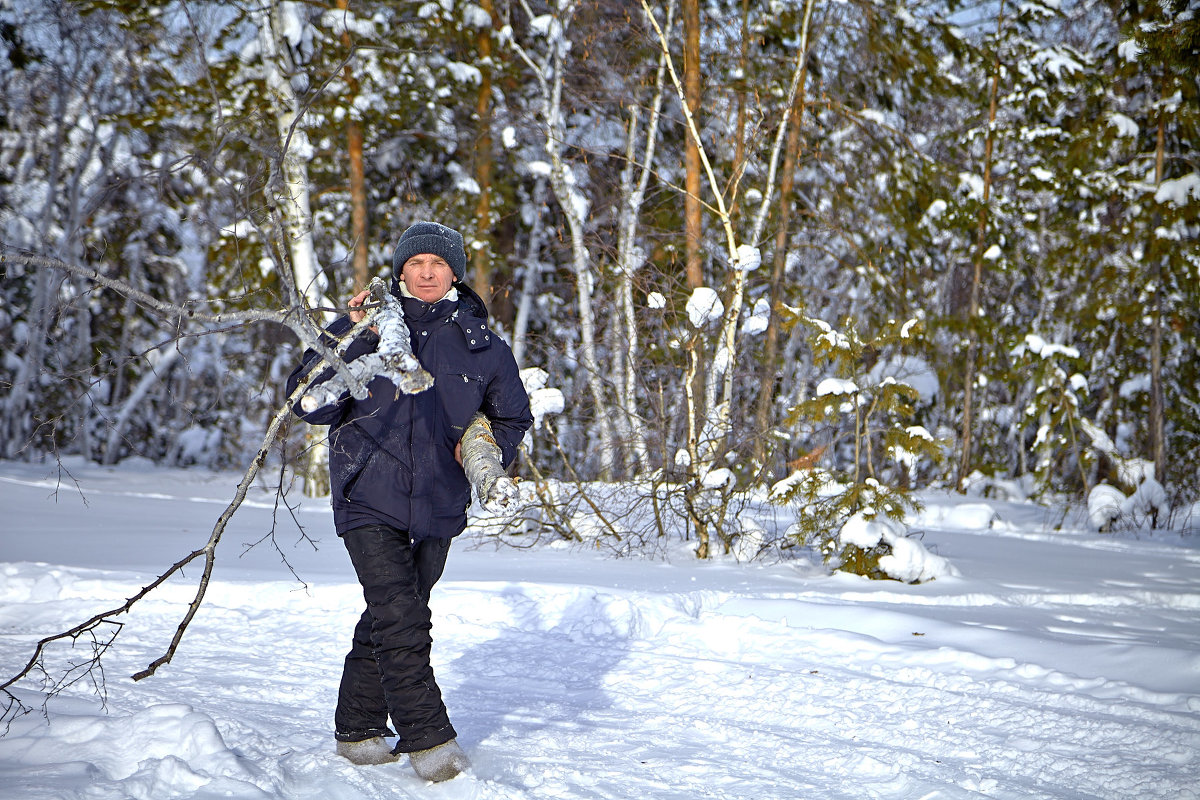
(1056,664)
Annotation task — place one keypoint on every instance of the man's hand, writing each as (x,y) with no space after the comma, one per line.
(356,316)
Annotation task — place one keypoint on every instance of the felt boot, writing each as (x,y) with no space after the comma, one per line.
(369,751)
(439,763)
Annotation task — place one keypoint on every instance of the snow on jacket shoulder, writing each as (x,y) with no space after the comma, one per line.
(391,455)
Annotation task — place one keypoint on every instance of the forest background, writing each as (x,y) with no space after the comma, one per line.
(894,245)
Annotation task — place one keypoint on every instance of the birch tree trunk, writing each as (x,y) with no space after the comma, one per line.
(19,416)
(294,202)
(532,277)
(630,258)
(550,75)
(159,368)
(739,257)
(709,433)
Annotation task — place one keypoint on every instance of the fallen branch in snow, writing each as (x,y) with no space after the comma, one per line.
(92,627)
(102,629)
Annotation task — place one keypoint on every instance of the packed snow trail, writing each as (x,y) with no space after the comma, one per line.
(1058,665)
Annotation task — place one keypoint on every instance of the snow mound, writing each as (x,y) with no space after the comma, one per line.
(964,516)
(162,751)
(1104,506)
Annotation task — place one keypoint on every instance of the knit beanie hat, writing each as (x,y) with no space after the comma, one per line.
(431,237)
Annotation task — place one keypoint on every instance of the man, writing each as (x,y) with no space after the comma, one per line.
(399,495)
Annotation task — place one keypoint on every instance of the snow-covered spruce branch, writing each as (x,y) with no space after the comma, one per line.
(392,359)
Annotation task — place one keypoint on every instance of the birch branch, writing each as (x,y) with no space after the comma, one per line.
(292,318)
(481,458)
(694,132)
(393,358)
(207,552)
(396,354)
(733,313)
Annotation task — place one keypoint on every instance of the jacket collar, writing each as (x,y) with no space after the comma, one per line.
(461,305)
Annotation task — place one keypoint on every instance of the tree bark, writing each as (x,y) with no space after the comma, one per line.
(767,378)
(358,186)
(693,226)
(294,201)
(550,75)
(966,457)
(1158,436)
(481,256)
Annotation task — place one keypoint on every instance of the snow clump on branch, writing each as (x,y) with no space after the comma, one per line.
(748,258)
(704,307)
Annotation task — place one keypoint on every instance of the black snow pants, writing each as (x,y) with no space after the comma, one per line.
(387,669)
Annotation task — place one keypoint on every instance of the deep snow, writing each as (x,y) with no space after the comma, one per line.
(1055,664)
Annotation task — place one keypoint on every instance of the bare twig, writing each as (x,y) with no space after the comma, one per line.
(207,552)
(178,313)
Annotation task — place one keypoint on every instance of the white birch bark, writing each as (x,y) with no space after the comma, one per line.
(716,427)
(707,437)
(481,460)
(630,259)
(294,201)
(533,271)
(294,196)
(733,311)
(393,357)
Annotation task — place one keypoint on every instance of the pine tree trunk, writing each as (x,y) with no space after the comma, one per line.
(1158,435)
(966,458)
(767,368)
(482,254)
(358,186)
(692,208)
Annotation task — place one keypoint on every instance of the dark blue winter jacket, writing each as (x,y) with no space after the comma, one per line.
(391,455)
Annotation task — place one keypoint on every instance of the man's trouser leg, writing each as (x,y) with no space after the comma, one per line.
(387,669)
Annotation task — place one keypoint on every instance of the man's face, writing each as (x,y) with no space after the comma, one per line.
(427,277)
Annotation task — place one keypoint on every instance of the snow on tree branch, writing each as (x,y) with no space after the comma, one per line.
(393,359)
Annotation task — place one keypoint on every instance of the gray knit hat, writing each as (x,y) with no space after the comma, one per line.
(435,238)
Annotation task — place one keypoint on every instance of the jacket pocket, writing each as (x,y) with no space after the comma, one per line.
(461,395)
